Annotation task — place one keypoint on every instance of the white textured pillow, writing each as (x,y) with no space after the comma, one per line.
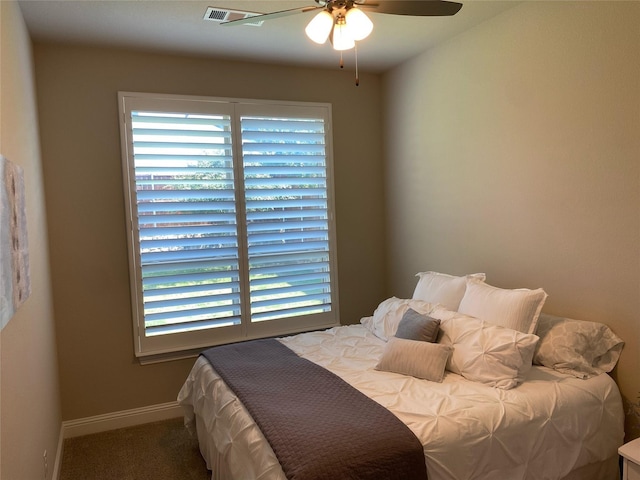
(577,347)
(412,357)
(447,290)
(518,309)
(496,356)
(387,316)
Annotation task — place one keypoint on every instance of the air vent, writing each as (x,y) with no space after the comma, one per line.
(220,15)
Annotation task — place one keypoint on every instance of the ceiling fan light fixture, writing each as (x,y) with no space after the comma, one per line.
(341,37)
(344,23)
(319,27)
(359,25)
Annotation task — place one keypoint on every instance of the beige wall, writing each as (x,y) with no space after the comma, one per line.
(77,98)
(29,391)
(514,149)
(511,149)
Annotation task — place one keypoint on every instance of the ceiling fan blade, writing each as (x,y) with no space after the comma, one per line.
(270,16)
(419,8)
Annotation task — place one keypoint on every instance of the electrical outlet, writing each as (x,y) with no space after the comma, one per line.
(46,464)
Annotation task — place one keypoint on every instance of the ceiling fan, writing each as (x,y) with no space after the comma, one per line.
(344,22)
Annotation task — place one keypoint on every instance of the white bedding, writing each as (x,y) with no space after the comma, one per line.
(548,427)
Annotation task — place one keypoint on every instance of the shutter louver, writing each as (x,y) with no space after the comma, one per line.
(187,231)
(285,183)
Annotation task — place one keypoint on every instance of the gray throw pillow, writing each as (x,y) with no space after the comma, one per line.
(418,359)
(416,326)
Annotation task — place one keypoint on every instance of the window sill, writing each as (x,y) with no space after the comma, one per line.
(169,357)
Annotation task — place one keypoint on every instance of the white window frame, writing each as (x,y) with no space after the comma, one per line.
(149,346)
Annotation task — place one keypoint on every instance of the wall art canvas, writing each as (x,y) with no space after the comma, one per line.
(15,285)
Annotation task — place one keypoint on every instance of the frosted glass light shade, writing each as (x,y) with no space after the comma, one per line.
(359,25)
(319,27)
(342,39)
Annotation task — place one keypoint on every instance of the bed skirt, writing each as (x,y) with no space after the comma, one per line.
(606,470)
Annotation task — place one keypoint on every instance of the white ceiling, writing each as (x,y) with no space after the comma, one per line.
(177,26)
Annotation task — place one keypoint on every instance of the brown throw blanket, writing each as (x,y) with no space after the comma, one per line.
(319,426)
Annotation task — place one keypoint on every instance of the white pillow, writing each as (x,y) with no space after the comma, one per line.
(496,356)
(442,288)
(416,358)
(387,316)
(577,347)
(518,309)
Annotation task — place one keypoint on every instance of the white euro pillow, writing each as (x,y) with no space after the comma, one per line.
(442,288)
(518,309)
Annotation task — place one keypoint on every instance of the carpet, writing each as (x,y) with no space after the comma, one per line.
(160,451)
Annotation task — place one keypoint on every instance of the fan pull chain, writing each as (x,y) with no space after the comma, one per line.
(357,76)
(341,60)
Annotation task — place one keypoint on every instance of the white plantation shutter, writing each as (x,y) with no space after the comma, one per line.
(231,219)
(188,238)
(285,181)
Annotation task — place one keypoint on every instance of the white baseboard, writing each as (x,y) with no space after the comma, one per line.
(125,418)
(58,461)
(112,421)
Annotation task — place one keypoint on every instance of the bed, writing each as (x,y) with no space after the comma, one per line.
(545,409)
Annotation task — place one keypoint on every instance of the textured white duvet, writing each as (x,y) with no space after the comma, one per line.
(548,427)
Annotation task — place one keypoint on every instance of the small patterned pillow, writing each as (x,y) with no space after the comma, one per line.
(412,357)
(577,347)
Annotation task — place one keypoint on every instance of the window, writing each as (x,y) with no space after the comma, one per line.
(230,215)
